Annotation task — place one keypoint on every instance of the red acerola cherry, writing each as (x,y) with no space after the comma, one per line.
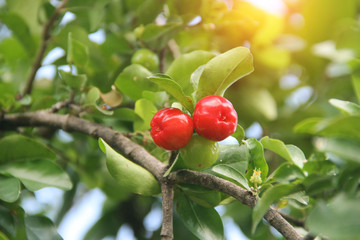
(215,118)
(171,129)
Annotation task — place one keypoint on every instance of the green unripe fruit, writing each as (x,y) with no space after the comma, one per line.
(146,58)
(200,153)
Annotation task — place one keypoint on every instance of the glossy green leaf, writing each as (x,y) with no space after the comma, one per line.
(346,106)
(257,159)
(21,30)
(269,197)
(146,110)
(182,67)
(9,188)
(204,223)
(174,89)
(308,125)
(230,172)
(286,173)
(129,175)
(234,155)
(158,98)
(347,149)
(30,149)
(157,36)
(356,85)
(289,152)
(77,53)
(239,134)
(337,220)
(203,196)
(126,114)
(236,63)
(37,174)
(133,81)
(40,227)
(74,81)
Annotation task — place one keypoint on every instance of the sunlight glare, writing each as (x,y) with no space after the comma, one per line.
(271,6)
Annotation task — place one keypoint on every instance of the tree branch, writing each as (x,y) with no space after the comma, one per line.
(167,193)
(140,156)
(41,52)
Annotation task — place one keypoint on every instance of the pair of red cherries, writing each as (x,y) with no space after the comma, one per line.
(214,118)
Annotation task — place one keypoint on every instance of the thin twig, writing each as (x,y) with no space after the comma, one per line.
(41,52)
(162,56)
(295,221)
(59,105)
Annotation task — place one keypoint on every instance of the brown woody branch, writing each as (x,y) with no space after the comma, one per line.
(140,156)
(41,52)
(167,193)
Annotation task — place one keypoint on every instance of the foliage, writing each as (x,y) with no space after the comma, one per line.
(296,75)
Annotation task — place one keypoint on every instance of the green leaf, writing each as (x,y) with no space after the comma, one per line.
(234,155)
(230,172)
(126,114)
(30,149)
(3,236)
(269,197)
(308,125)
(337,220)
(74,81)
(77,53)
(182,67)
(133,81)
(257,159)
(239,134)
(286,173)
(37,174)
(157,36)
(174,89)
(21,31)
(204,223)
(9,188)
(356,85)
(346,106)
(8,221)
(347,149)
(203,196)
(129,175)
(289,152)
(235,63)
(92,96)
(149,10)
(343,126)
(146,110)
(40,227)
(158,98)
